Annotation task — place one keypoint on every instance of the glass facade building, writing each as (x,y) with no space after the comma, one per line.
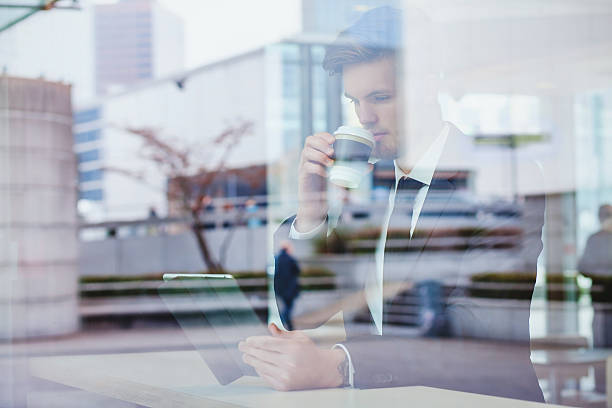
(87,130)
(135,40)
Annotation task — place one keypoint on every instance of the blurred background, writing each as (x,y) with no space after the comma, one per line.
(143,137)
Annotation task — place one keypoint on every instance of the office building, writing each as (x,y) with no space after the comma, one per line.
(135,40)
(191,109)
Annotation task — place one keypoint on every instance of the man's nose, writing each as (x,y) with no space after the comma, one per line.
(367,115)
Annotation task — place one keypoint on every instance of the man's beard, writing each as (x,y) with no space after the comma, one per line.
(385,153)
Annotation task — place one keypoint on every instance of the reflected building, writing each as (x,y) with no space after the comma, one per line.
(135,40)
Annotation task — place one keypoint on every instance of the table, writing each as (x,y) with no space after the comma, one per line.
(181,379)
(558,365)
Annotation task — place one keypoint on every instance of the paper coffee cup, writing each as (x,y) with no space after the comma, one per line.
(352,150)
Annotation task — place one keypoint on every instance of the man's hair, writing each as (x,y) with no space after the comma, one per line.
(375,35)
(605,212)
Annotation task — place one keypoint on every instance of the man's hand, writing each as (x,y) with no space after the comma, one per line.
(292,361)
(312,180)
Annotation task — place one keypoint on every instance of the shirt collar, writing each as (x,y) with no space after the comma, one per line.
(425,167)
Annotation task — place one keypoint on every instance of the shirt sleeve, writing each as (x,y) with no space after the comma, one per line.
(350,363)
(295,234)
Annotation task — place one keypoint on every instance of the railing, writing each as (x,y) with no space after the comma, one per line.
(224,213)
(220,214)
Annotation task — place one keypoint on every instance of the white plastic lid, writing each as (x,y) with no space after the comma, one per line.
(356,131)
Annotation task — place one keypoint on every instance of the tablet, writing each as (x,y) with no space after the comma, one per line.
(225,318)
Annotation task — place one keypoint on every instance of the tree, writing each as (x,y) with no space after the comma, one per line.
(189,168)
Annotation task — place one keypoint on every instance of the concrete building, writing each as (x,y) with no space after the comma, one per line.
(136,40)
(38,240)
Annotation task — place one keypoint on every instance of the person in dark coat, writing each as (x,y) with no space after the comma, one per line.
(597,257)
(286,282)
(596,263)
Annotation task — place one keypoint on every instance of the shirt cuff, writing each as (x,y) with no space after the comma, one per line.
(350,362)
(295,234)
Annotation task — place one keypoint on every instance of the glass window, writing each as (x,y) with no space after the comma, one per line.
(91,175)
(455,234)
(93,195)
(88,115)
(89,155)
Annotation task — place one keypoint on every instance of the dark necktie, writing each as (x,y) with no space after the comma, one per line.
(395,215)
(406,198)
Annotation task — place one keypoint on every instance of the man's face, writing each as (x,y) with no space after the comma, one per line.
(371,88)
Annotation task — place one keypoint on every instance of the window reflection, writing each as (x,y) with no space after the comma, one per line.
(474,256)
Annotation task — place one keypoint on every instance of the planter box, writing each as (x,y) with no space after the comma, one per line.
(351,270)
(500,319)
(493,319)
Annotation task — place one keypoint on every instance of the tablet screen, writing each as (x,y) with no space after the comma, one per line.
(223,317)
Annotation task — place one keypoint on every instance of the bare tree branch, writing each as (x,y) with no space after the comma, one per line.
(189,174)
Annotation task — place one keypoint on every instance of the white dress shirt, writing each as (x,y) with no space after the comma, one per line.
(423,172)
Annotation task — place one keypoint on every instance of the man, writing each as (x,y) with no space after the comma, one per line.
(286,282)
(596,263)
(365,55)
(597,257)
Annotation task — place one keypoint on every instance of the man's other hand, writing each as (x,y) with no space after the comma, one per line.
(292,361)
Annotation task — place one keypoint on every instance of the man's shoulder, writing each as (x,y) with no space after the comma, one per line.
(601,236)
